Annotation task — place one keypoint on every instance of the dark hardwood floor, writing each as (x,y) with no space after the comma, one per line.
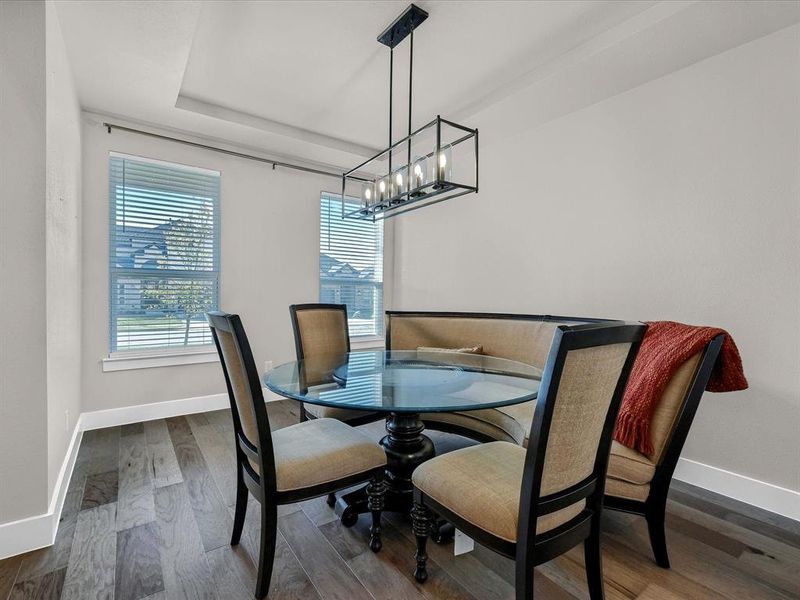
(149,511)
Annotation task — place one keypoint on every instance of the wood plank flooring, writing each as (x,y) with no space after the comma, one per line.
(148,514)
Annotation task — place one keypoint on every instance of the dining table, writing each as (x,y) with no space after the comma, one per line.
(403,385)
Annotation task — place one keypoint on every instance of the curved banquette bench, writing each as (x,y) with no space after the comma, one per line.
(636,483)
(523,338)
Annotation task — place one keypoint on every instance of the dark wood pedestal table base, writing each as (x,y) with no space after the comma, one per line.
(403,384)
(406,448)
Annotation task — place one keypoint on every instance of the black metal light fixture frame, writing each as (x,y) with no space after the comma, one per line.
(440,188)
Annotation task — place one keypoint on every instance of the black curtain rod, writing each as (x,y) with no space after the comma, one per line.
(274,163)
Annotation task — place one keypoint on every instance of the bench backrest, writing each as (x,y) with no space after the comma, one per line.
(524,338)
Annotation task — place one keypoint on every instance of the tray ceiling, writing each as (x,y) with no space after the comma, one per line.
(309,79)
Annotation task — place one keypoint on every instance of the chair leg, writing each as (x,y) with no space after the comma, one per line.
(241,506)
(266,557)
(594,561)
(421,525)
(658,539)
(523,573)
(376,493)
(331,500)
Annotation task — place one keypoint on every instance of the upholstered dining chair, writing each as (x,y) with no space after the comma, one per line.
(320,332)
(534,504)
(296,463)
(639,483)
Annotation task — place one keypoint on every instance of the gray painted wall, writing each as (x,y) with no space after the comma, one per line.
(40,259)
(23,356)
(63,235)
(677,200)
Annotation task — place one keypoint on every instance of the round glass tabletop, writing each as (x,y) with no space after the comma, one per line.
(406,381)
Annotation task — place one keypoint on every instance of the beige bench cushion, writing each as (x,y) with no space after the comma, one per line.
(669,406)
(505,424)
(623,489)
(320,451)
(329,412)
(467,420)
(523,416)
(629,465)
(482,485)
(630,472)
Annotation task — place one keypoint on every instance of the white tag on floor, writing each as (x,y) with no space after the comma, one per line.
(462,543)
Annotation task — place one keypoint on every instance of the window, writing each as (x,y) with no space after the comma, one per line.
(351,265)
(163,254)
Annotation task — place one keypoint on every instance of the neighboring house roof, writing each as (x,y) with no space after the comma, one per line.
(330,266)
(139,245)
(327,262)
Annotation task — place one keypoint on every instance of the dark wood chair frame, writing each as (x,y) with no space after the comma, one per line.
(458,429)
(368,417)
(264,486)
(531,549)
(300,351)
(653,509)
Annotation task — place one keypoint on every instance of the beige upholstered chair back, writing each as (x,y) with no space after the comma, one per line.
(668,409)
(321,339)
(250,419)
(322,332)
(514,337)
(240,388)
(585,391)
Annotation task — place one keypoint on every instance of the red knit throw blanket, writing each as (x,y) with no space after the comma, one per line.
(665,347)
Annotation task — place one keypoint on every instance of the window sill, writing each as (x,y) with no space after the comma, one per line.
(367,342)
(126,362)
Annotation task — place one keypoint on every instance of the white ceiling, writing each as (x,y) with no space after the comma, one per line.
(308,79)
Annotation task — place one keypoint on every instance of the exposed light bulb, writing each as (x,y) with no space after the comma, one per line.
(399,181)
(382,190)
(418,175)
(444,165)
(368,194)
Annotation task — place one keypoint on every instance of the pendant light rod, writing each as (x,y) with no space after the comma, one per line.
(410,84)
(401,27)
(391,96)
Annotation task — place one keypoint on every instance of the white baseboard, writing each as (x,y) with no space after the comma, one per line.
(27,534)
(97,419)
(39,531)
(112,417)
(740,487)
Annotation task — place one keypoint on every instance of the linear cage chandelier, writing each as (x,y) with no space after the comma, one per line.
(436,162)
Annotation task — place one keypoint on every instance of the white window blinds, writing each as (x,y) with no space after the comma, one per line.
(351,265)
(163,254)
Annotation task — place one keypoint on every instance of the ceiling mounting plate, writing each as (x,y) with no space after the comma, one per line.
(407,22)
